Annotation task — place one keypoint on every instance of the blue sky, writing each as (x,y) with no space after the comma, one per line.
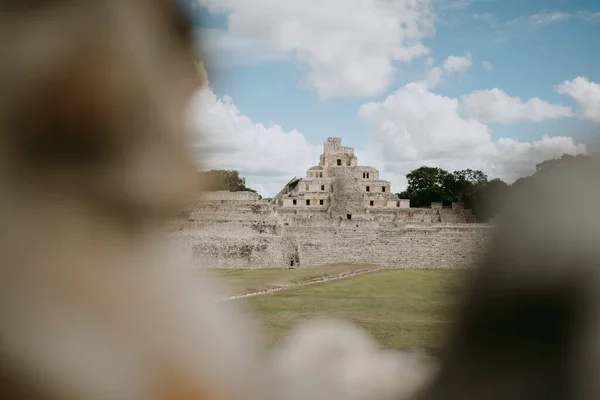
(524,49)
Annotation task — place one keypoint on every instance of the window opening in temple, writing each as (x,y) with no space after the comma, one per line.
(294,202)
(368,188)
(349,216)
(321,202)
(308,202)
(339,162)
(372,203)
(322,187)
(397,204)
(364,175)
(367,175)
(383,189)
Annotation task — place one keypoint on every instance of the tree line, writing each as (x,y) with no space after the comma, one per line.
(221,179)
(472,187)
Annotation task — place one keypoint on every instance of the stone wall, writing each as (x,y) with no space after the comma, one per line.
(223,211)
(260,245)
(226,195)
(232,245)
(257,234)
(452,216)
(410,247)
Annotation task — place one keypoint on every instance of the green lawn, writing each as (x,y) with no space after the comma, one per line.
(402,309)
(240,281)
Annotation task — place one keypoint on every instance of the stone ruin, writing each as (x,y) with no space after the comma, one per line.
(338,188)
(339,212)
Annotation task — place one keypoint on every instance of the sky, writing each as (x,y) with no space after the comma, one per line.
(494,85)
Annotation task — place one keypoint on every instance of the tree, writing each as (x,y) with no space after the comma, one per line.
(222,180)
(466,185)
(489,199)
(427,185)
(521,182)
(548,166)
(566,160)
(403,195)
(471,187)
(474,177)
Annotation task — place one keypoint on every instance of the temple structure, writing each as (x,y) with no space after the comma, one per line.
(339,212)
(340,187)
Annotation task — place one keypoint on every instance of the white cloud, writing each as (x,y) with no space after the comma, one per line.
(587,96)
(223,138)
(544,18)
(451,65)
(414,127)
(221,49)
(487,65)
(434,77)
(487,17)
(454,4)
(458,64)
(495,105)
(348,46)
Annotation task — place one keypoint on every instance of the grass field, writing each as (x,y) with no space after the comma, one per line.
(240,281)
(402,309)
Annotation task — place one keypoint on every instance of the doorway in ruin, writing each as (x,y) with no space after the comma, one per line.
(294,261)
(290,254)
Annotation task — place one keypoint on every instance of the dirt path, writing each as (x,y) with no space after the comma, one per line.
(313,281)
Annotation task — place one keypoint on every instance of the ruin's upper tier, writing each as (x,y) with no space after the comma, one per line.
(359,172)
(334,154)
(333,145)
